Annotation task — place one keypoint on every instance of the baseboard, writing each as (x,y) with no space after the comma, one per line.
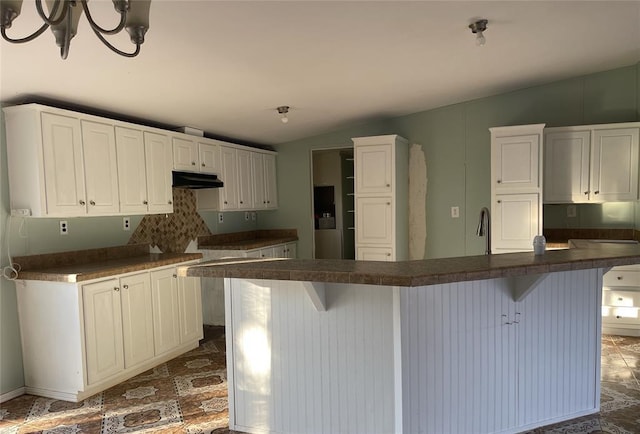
(13,394)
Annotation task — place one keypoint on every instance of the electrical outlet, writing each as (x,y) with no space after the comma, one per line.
(455,212)
(64,227)
(571,210)
(246,216)
(253,216)
(126,224)
(220,217)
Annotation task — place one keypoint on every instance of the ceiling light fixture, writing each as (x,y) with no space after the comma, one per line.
(64,16)
(283,110)
(479,27)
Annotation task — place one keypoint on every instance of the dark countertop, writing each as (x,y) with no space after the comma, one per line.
(82,265)
(247,240)
(420,272)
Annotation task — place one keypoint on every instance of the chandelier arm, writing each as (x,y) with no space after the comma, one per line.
(114,49)
(25,39)
(96,28)
(54,11)
(64,49)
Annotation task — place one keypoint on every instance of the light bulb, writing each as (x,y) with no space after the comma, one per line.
(284,119)
(480,39)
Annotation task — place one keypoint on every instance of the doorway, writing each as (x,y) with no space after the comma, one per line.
(333,203)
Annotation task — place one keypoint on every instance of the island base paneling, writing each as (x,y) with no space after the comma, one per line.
(457,358)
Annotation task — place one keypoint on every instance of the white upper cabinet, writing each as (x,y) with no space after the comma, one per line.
(592,163)
(100,168)
(132,172)
(209,158)
(245,184)
(566,166)
(263,174)
(374,169)
(614,169)
(249,179)
(158,158)
(65,193)
(192,155)
(515,161)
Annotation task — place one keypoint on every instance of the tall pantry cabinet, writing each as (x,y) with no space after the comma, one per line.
(516,187)
(381,173)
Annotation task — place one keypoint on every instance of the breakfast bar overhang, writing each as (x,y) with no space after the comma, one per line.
(479,344)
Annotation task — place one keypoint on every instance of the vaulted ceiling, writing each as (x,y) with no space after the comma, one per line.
(224,67)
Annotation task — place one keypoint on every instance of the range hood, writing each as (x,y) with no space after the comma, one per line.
(195,180)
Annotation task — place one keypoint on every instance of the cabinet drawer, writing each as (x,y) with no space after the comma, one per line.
(617,277)
(621,298)
(621,315)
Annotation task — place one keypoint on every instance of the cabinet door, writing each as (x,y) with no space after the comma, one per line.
(185,154)
(280,251)
(158,157)
(100,168)
(190,309)
(269,252)
(63,165)
(209,158)
(374,221)
(566,166)
(374,169)
(257,176)
(132,173)
(137,318)
(374,254)
(166,314)
(229,193)
(614,169)
(291,250)
(515,162)
(516,221)
(245,193)
(270,181)
(102,329)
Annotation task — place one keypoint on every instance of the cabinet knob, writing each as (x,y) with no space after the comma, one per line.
(92,202)
(116,289)
(618,316)
(175,276)
(388,185)
(619,277)
(81,202)
(225,202)
(499,201)
(586,192)
(268,201)
(388,203)
(264,201)
(193,163)
(620,299)
(204,165)
(169,202)
(596,192)
(125,286)
(145,202)
(241,202)
(388,254)
(499,181)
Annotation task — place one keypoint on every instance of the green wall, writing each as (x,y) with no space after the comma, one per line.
(456,143)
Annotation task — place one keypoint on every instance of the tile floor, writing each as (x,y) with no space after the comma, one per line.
(189,395)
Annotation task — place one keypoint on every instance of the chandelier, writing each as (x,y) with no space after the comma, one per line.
(64,16)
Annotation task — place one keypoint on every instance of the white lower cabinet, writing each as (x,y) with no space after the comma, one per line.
(517,220)
(81,338)
(621,301)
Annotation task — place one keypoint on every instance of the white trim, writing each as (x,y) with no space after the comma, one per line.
(13,394)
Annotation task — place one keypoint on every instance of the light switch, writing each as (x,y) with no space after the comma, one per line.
(455,212)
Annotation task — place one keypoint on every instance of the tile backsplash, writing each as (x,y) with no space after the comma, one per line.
(172,233)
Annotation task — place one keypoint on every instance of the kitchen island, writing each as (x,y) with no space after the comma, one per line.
(480,344)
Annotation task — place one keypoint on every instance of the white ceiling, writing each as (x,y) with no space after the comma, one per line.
(224,67)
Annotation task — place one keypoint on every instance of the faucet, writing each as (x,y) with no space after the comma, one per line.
(484,229)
